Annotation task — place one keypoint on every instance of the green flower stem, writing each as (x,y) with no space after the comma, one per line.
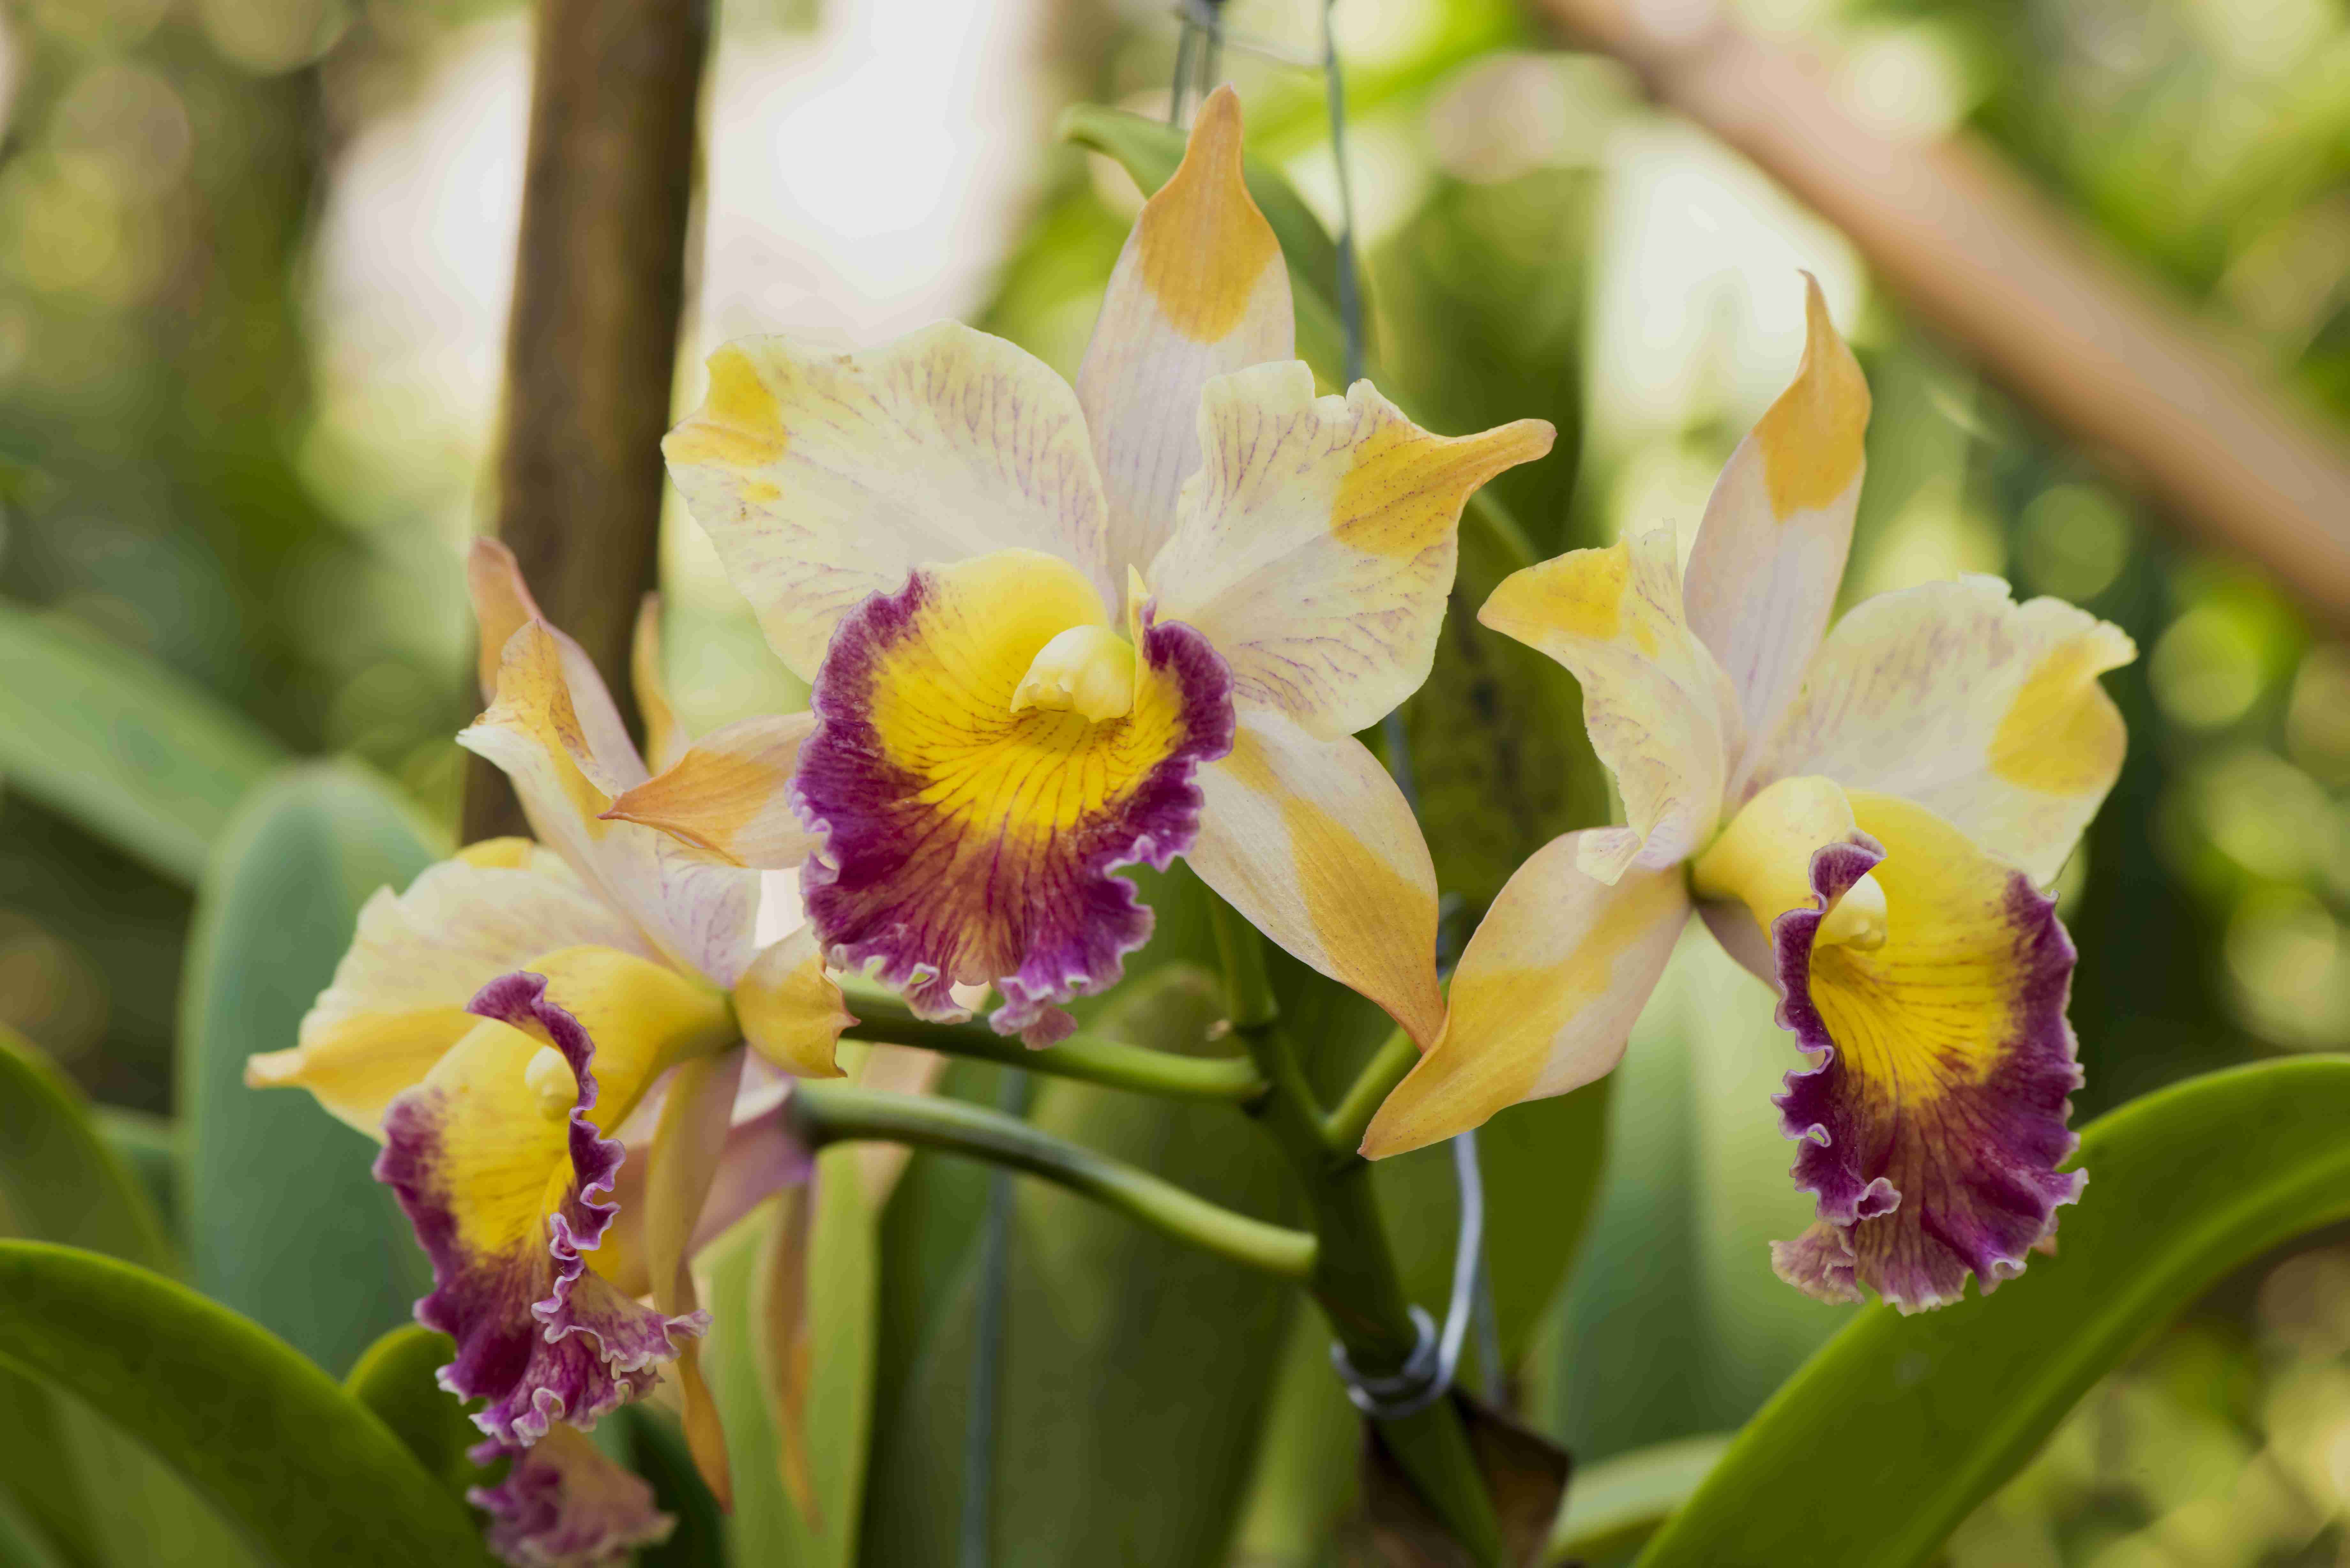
(1343,1128)
(829,1113)
(1110,1063)
(1353,1274)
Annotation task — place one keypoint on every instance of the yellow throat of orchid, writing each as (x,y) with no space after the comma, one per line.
(1763,861)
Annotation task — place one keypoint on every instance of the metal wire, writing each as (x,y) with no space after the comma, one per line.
(1436,1359)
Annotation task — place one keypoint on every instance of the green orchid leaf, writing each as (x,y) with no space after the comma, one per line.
(308,1472)
(149,1147)
(146,759)
(1149,149)
(84,1491)
(395,1379)
(285,1223)
(1618,1503)
(657,1452)
(1114,1337)
(1903,1425)
(59,1179)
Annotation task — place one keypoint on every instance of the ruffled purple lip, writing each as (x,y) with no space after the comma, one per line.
(538,1336)
(1913,1199)
(564,1505)
(899,887)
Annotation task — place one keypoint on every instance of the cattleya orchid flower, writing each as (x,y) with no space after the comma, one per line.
(935,532)
(1867,819)
(496,1024)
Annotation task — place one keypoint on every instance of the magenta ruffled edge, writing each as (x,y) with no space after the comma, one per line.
(843,764)
(2010,1143)
(553,1510)
(580,1349)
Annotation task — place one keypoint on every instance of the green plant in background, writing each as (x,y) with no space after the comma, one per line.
(914,1361)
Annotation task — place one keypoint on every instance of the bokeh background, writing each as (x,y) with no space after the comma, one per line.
(254,256)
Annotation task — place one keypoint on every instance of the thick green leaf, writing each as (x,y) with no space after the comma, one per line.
(766,1527)
(1885,1439)
(141,757)
(1135,1372)
(656,1451)
(59,1181)
(149,1146)
(395,1379)
(266,1438)
(283,1221)
(90,1494)
(1614,1506)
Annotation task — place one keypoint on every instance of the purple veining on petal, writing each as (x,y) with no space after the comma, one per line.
(564,1505)
(538,1335)
(899,886)
(1915,1197)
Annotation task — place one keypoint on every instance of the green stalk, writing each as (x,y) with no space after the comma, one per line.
(1343,1128)
(1353,1274)
(829,1113)
(1110,1063)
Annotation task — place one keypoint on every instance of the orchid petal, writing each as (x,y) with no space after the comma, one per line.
(1771,550)
(730,793)
(790,1007)
(1933,1121)
(1661,714)
(821,477)
(1544,998)
(688,1147)
(502,605)
(1316,542)
(665,736)
(695,913)
(1199,290)
(398,1000)
(1986,712)
(1311,842)
(500,1159)
(564,1505)
(965,842)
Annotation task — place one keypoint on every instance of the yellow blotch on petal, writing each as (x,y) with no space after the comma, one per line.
(1543,1000)
(740,422)
(1579,595)
(508,854)
(1201,240)
(2061,735)
(1354,897)
(1812,437)
(1406,488)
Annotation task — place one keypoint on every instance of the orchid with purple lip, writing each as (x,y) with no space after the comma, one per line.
(1866,817)
(934,534)
(496,1025)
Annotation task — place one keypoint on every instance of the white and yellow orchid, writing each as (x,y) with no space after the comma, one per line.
(1866,817)
(494,1026)
(934,535)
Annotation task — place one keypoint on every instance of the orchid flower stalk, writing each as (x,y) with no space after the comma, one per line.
(1866,817)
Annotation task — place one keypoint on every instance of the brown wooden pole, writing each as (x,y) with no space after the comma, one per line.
(599,285)
(2053,316)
